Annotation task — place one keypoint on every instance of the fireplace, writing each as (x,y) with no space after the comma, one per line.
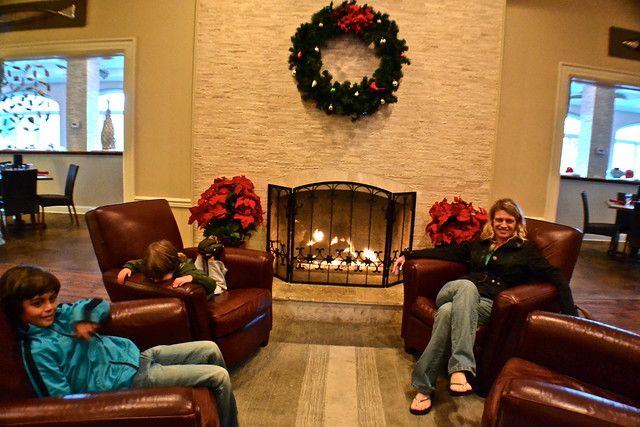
(338,233)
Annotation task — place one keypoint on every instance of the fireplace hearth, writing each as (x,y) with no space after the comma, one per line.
(338,233)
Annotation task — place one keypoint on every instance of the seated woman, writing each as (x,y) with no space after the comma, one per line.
(500,258)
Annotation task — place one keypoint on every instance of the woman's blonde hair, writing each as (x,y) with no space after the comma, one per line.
(159,259)
(512,208)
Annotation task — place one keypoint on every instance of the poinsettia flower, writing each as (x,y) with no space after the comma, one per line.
(243,182)
(455,222)
(229,210)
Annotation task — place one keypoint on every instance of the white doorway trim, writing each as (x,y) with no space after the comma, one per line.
(567,72)
(126,46)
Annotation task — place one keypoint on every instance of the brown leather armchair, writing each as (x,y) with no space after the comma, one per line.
(568,372)
(495,343)
(147,323)
(238,320)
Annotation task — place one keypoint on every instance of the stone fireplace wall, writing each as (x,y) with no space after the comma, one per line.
(438,140)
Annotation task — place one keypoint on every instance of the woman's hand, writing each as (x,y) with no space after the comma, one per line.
(123,274)
(397,266)
(85,329)
(182,281)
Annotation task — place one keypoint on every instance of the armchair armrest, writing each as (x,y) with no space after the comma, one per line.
(248,268)
(166,406)
(138,287)
(149,322)
(527,402)
(586,350)
(425,277)
(508,316)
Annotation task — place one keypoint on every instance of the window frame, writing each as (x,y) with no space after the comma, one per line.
(125,46)
(566,72)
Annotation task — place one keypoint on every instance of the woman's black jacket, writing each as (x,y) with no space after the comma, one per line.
(517,262)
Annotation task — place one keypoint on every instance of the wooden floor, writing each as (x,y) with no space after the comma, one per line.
(608,288)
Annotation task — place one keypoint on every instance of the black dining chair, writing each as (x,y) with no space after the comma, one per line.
(66,199)
(633,237)
(599,228)
(18,195)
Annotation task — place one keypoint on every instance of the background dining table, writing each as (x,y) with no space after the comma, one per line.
(41,176)
(628,218)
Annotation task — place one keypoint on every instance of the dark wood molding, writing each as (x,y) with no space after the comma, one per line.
(35,15)
(624,43)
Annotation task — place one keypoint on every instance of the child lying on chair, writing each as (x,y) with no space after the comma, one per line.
(162,261)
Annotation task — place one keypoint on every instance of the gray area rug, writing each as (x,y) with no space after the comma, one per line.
(298,384)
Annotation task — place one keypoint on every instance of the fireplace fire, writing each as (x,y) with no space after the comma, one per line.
(338,233)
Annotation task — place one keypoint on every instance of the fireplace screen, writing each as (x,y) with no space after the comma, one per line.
(338,233)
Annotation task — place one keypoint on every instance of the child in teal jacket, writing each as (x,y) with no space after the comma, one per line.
(63,353)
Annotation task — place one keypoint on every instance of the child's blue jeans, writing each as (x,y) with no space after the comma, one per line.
(460,310)
(189,364)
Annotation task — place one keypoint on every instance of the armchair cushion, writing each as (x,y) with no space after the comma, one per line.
(233,310)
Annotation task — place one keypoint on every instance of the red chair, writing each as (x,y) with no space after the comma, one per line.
(239,320)
(495,343)
(147,323)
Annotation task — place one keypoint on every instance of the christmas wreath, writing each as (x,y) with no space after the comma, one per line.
(358,99)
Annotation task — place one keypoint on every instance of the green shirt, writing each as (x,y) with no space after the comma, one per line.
(187,269)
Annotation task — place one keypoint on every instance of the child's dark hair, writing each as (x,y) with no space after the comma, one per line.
(159,259)
(21,283)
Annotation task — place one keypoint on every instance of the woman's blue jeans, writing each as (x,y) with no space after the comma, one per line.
(189,364)
(460,310)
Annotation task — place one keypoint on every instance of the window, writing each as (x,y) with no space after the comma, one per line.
(60,103)
(570,144)
(29,122)
(626,149)
(601,129)
(112,99)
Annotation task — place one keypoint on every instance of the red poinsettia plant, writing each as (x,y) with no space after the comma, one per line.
(457,222)
(229,210)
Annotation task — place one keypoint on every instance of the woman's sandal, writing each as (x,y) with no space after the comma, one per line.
(421,411)
(471,381)
(455,393)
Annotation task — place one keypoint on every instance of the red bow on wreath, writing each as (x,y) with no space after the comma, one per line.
(354,18)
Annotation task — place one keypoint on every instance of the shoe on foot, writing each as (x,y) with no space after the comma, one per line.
(462,388)
(456,393)
(421,411)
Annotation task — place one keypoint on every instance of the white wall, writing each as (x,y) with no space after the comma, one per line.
(437,140)
(539,35)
